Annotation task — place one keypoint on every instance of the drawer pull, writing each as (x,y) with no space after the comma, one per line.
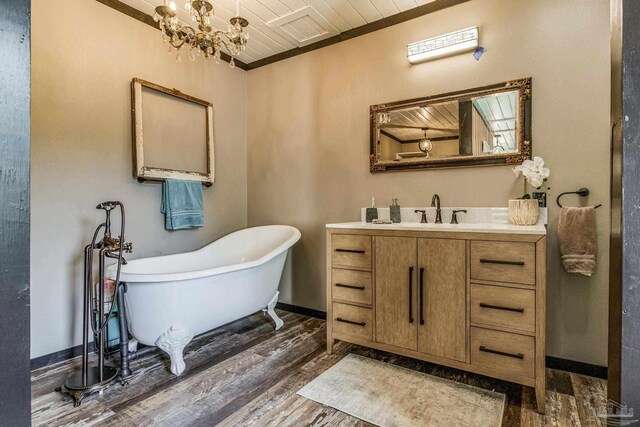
(497,261)
(351,322)
(351,251)
(501,353)
(499,307)
(421,301)
(410,294)
(342,285)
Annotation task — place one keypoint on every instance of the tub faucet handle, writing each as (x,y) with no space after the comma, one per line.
(128,247)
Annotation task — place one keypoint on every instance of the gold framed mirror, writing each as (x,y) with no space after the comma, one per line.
(483,126)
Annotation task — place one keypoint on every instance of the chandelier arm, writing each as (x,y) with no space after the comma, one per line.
(230,41)
(225,45)
(230,50)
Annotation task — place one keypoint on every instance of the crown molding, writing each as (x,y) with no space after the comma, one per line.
(380,24)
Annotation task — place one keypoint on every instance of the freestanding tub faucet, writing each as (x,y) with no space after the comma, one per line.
(95,379)
(435,202)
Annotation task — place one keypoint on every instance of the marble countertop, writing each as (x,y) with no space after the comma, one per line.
(459,228)
(476,220)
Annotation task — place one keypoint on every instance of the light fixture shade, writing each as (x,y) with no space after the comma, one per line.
(425,145)
(444,45)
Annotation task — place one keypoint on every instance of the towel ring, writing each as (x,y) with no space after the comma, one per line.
(582,192)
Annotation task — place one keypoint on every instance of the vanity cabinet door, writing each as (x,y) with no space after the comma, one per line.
(395,291)
(442,298)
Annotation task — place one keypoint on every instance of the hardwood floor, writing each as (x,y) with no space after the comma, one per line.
(245,373)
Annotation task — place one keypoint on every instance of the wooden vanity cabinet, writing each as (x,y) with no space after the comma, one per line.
(395,307)
(420,296)
(471,301)
(442,307)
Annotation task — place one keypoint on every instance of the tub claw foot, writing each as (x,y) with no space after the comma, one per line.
(173,342)
(270,310)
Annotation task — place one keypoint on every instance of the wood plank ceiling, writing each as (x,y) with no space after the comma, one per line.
(499,112)
(277,26)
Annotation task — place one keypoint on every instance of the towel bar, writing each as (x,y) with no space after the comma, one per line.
(141,180)
(582,192)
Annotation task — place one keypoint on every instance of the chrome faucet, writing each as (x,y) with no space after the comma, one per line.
(435,202)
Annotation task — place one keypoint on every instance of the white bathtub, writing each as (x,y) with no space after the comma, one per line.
(171,298)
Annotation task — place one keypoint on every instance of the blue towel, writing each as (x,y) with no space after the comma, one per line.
(182,204)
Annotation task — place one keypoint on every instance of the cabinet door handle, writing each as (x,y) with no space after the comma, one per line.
(502,353)
(421,295)
(351,322)
(500,307)
(501,262)
(342,285)
(351,251)
(410,294)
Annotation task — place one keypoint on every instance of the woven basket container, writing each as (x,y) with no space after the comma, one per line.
(524,211)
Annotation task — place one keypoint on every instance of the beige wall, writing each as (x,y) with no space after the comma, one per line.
(308,138)
(389,148)
(83,63)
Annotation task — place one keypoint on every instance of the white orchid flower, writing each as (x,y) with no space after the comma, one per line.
(535,181)
(533,171)
(545,172)
(538,161)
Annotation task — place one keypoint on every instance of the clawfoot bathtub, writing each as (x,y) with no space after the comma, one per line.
(172,298)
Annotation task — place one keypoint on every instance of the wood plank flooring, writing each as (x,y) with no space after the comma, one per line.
(247,374)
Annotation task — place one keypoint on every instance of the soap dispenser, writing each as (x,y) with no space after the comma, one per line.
(372,212)
(394,212)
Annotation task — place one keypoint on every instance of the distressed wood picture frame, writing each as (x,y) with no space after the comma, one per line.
(145,172)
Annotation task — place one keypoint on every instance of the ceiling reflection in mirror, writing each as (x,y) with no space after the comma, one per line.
(479,127)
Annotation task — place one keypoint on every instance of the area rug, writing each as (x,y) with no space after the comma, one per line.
(387,395)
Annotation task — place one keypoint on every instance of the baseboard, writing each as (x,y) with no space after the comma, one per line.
(581,368)
(72,352)
(57,357)
(551,362)
(302,310)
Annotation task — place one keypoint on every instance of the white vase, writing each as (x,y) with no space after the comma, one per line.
(524,211)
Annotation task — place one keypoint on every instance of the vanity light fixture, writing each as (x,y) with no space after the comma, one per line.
(205,38)
(444,45)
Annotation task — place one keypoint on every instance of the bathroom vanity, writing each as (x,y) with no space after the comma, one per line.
(470,296)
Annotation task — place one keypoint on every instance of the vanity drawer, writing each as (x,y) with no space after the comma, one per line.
(511,262)
(503,351)
(349,250)
(353,320)
(351,285)
(501,306)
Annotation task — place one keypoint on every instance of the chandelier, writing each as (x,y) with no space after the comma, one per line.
(205,38)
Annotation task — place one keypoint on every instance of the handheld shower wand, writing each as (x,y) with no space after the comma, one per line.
(98,378)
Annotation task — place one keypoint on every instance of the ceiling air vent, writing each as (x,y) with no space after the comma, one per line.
(303,26)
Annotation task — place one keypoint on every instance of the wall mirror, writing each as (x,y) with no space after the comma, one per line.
(483,126)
